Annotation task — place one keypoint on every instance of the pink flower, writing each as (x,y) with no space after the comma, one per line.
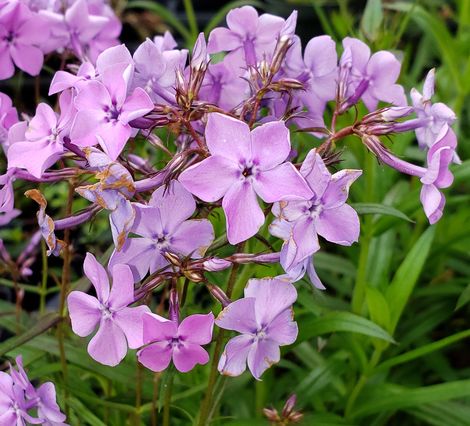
(166,341)
(119,325)
(243,165)
(21,33)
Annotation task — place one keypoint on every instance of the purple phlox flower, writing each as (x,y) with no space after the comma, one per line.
(438,175)
(7,197)
(163,226)
(247,37)
(75,29)
(215,264)
(370,78)
(13,405)
(325,214)
(112,192)
(120,326)
(105,110)
(433,117)
(155,70)
(108,36)
(21,34)
(43,141)
(167,340)
(63,80)
(165,42)
(43,398)
(281,228)
(199,56)
(243,165)
(223,87)
(433,177)
(318,70)
(113,57)
(46,224)
(8,116)
(264,317)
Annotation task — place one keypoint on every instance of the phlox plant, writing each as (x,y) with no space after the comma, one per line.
(208,183)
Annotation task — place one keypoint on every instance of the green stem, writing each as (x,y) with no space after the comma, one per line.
(167,404)
(375,358)
(204,416)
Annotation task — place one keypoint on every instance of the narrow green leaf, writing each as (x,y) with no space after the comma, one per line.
(372,19)
(378,307)
(407,275)
(43,324)
(341,322)
(372,208)
(423,350)
(222,12)
(377,402)
(464,298)
(84,414)
(164,13)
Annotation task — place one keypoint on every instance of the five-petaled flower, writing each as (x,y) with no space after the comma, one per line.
(120,326)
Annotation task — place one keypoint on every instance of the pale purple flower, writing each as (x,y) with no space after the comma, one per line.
(435,176)
(167,340)
(432,117)
(163,226)
(243,165)
(318,70)
(438,175)
(43,398)
(165,42)
(75,29)
(8,116)
(104,111)
(113,192)
(223,87)
(13,405)
(7,197)
(370,78)
(43,141)
(155,70)
(325,214)
(63,80)
(119,325)
(247,37)
(264,317)
(21,33)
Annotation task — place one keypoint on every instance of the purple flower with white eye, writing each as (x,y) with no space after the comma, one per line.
(163,226)
(155,70)
(433,117)
(243,165)
(119,325)
(247,37)
(43,141)
(370,78)
(325,214)
(8,116)
(105,110)
(113,192)
(167,340)
(264,317)
(21,33)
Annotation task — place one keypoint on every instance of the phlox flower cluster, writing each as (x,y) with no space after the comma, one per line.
(231,110)
(22,403)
